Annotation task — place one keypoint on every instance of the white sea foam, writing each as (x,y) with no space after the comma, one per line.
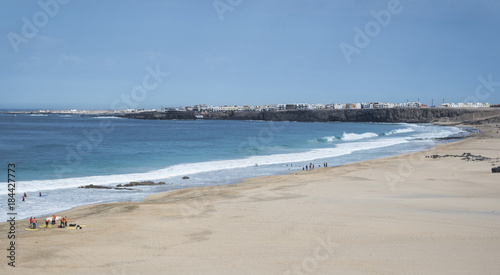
(328,139)
(347,137)
(209,166)
(438,132)
(400,131)
(353,136)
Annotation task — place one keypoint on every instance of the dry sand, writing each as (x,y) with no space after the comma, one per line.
(401,215)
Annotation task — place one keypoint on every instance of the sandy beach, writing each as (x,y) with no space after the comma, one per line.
(409,214)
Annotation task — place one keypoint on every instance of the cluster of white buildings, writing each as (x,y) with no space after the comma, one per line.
(306,106)
(465,105)
(294,106)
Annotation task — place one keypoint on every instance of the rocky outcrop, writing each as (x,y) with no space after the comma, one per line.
(122,186)
(408,115)
(464,156)
(135,183)
(91,186)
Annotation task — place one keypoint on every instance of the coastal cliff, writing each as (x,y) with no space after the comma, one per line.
(407,115)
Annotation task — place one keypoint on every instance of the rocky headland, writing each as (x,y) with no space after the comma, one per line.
(407,115)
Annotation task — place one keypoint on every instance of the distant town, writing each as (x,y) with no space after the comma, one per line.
(306,106)
(271,108)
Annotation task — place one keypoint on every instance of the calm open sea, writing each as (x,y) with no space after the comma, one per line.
(55,154)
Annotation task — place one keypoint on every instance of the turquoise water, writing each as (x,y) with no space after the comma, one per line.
(54,154)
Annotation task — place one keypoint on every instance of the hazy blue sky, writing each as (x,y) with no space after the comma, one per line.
(88,54)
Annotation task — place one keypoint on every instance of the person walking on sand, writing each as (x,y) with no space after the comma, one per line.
(65,221)
(31,222)
(34,223)
(54,219)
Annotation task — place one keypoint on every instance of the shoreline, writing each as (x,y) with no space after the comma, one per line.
(279,221)
(388,115)
(443,141)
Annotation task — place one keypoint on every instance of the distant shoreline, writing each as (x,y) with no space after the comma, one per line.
(67,112)
(449,116)
(393,115)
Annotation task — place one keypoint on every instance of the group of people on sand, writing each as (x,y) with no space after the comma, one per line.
(33,222)
(64,222)
(312,166)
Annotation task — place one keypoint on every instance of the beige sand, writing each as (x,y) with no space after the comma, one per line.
(402,215)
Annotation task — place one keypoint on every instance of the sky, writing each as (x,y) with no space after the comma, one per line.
(62,54)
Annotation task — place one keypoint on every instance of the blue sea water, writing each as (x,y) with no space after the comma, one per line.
(55,154)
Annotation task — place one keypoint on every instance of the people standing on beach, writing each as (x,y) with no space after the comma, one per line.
(34,223)
(54,219)
(47,223)
(31,222)
(65,221)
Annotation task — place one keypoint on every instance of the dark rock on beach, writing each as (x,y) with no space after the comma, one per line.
(464,156)
(135,183)
(471,157)
(91,186)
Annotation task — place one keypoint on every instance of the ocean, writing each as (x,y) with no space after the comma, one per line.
(55,154)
